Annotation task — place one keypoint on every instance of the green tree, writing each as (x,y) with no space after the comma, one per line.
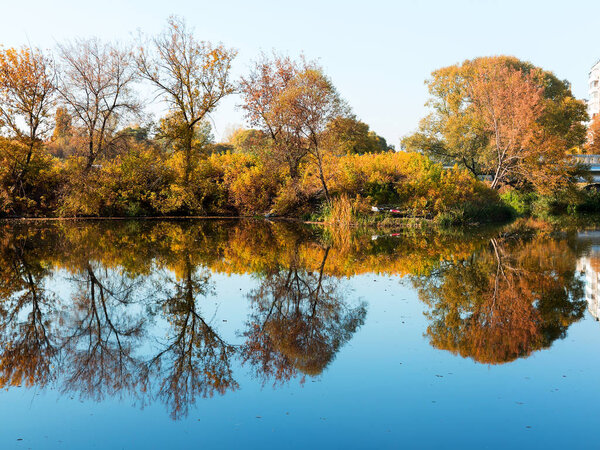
(348,135)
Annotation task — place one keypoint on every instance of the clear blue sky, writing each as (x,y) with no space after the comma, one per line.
(377,52)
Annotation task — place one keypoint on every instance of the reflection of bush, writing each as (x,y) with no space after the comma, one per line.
(236,247)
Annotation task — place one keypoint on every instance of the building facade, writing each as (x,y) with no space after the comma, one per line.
(594,91)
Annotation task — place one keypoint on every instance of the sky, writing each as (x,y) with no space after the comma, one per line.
(378,53)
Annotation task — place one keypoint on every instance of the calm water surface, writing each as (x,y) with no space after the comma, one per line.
(160,334)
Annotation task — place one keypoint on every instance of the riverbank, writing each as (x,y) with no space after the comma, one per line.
(344,211)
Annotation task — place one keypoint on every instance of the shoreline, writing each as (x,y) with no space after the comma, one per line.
(384,224)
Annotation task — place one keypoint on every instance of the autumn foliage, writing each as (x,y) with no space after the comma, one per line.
(74,140)
(494,297)
(503,119)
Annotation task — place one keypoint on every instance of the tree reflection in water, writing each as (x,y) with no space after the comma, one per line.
(99,349)
(514,296)
(299,322)
(130,317)
(195,361)
(28,312)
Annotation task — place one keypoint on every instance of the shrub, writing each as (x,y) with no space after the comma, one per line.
(410,181)
(520,202)
(131,184)
(27,188)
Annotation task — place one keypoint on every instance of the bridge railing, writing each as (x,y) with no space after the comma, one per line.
(587,159)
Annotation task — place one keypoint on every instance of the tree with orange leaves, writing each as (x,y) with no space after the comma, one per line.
(260,91)
(508,105)
(27,87)
(504,119)
(293,102)
(592,145)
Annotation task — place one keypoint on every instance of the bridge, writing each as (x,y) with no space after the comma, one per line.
(593,161)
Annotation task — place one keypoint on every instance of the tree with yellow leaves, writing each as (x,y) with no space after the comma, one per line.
(192,76)
(27,87)
(592,145)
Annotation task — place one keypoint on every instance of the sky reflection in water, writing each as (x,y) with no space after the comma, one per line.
(160,334)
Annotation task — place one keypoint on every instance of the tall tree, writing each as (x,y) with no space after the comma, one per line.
(27,88)
(292,102)
(96,87)
(309,104)
(508,104)
(261,89)
(192,76)
(503,118)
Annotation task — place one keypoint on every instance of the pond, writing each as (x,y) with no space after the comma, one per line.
(255,334)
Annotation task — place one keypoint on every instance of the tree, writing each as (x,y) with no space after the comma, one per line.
(509,104)
(191,76)
(260,90)
(172,127)
(64,143)
(592,146)
(250,141)
(27,88)
(63,123)
(96,87)
(503,118)
(292,102)
(309,104)
(348,136)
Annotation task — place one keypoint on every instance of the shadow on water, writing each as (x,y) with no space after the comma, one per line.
(119,309)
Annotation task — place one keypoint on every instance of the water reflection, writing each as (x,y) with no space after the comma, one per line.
(124,309)
(515,295)
(299,320)
(589,265)
(194,361)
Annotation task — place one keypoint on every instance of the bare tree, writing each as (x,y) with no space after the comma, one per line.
(96,87)
(192,76)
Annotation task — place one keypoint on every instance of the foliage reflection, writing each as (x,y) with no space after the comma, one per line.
(123,309)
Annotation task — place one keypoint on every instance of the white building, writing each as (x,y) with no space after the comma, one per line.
(589,266)
(594,90)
